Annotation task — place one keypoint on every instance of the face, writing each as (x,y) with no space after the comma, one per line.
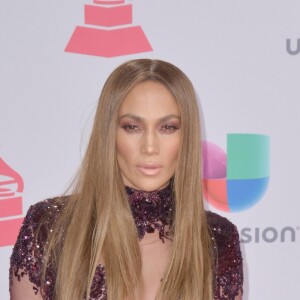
(148,137)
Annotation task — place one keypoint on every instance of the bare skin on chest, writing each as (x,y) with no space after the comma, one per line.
(155,259)
(155,255)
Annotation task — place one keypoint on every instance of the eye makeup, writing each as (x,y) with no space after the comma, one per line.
(134,124)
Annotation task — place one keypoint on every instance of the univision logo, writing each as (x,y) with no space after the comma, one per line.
(292,50)
(269,234)
(236,180)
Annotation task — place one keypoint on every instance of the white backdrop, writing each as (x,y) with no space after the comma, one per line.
(244,60)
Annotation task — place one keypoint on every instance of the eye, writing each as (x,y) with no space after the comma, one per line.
(168,128)
(131,128)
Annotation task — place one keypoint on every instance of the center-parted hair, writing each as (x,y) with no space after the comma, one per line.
(97,219)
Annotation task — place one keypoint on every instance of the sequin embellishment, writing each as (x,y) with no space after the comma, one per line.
(151,211)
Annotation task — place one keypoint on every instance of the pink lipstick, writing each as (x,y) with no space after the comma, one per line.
(149,169)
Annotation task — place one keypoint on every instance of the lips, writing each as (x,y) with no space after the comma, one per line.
(149,169)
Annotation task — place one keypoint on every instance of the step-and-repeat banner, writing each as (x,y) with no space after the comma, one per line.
(244,60)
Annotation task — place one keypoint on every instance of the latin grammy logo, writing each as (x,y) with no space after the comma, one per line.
(11,187)
(109,31)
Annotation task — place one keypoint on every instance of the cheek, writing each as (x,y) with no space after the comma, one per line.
(125,149)
(171,152)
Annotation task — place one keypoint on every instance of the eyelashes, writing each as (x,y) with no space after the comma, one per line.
(169,128)
(165,128)
(130,128)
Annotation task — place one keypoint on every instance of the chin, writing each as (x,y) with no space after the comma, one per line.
(152,186)
(149,186)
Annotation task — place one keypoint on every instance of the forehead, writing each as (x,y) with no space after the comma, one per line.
(148,100)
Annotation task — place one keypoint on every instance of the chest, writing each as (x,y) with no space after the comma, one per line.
(155,259)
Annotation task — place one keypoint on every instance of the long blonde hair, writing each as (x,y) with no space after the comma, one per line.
(97,219)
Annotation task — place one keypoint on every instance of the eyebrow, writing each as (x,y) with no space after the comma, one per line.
(139,119)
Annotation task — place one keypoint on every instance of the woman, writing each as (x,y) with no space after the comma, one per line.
(135,226)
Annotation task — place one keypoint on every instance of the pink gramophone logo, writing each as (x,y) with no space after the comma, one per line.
(11,187)
(109,31)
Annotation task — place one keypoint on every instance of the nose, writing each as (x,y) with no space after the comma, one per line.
(150,143)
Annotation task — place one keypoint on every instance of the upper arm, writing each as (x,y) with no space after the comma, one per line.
(231,267)
(228,260)
(239,296)
(27,257)
(23,289)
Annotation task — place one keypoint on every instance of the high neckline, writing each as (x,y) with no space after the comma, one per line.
(152,210)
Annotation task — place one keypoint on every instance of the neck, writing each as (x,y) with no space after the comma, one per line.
(153,213)
(152,238)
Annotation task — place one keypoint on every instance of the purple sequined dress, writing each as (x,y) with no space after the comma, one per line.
(151,211)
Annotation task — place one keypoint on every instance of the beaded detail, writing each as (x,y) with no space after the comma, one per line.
(151,211)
